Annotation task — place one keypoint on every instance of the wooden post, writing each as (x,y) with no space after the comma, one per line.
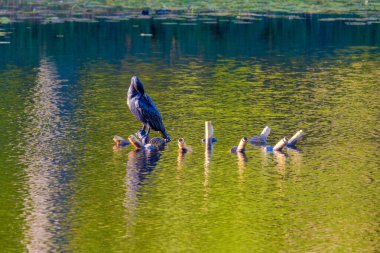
(209,131)
(262,138)
(135,142)
(242,144)
(181,144)
(182,147)
(281,144)
(293,141)
(241,148)
(265,132)
(119,141)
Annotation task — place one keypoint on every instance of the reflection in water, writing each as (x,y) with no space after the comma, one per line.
(242,160)
(295,157)
(139,165)
(280,159)
(180,160)
(47,159)
(208,157)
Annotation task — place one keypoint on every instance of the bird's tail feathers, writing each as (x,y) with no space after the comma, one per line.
(166,136)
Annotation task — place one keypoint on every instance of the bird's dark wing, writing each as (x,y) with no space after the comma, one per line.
(150,113)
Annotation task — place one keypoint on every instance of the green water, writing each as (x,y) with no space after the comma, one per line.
(63,98)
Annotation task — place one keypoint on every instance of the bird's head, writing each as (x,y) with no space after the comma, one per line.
(137,85)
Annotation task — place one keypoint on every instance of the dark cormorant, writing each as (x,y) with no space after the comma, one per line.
(143,108)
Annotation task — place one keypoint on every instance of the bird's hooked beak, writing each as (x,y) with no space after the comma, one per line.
(137,84)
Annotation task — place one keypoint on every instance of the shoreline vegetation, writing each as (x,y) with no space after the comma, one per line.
(55,10)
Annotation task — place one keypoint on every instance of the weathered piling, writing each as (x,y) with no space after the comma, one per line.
(265,132)
(182,147)
(209,131)
(281,144)
(119,141)
(209,139)
(262,138)
(135,142)
(241,147)
(242,144)
(295,138)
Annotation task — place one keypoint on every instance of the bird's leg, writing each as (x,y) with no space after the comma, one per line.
(145,138)
(141,133)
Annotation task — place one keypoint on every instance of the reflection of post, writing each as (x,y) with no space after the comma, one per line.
(295,160)
(180,159)
(280,159)
(209,135)
(242,159)
(208,157)
(182,151)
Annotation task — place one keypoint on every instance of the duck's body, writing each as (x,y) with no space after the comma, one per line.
(143,108)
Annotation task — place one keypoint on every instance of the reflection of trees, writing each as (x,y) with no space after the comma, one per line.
(272,36)
(48,160)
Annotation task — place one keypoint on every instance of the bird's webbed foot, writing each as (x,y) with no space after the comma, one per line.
(145,139)
(143,136)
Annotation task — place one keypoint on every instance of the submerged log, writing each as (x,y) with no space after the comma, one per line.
(281,144)
(296,137)
(119,141)
(155,144)
(135,142)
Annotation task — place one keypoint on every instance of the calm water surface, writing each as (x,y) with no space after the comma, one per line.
(63,97)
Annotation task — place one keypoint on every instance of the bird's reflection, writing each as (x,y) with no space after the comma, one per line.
(139,165)
(48,159)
